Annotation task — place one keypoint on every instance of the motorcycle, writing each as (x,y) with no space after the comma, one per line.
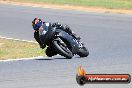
(60,42)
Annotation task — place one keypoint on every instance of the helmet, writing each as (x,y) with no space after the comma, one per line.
(36,23)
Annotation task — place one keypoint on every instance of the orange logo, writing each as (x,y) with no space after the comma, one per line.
(83,78)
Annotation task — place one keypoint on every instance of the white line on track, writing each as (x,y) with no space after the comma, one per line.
(31,58)
(22,59)
(17,39)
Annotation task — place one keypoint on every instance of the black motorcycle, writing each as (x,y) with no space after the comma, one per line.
(60,42)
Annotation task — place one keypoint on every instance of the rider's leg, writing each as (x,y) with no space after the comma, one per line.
(69,31)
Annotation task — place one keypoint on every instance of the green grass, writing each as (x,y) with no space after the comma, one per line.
(112,4)
(11,49)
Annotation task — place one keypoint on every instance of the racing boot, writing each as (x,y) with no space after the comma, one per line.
(50,51)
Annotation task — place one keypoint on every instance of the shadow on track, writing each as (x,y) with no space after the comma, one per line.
(52,58)
(56,58)
(43,59)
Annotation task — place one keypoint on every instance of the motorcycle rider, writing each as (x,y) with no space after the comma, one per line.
(37,25)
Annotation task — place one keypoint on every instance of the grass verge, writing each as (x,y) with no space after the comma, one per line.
(110,4)
(12,49)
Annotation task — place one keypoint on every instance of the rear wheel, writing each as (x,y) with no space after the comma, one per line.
(63,49)
(83,52)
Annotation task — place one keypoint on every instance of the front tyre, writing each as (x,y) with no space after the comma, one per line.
(83,52)
(63,49)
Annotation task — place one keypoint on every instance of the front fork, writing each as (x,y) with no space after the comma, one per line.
(60,40)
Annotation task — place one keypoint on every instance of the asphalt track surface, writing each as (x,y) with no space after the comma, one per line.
(107,36)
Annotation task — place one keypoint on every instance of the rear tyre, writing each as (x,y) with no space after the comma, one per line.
(63,49)
(83,52)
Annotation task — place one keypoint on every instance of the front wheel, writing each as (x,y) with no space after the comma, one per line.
(83,52)
(63,49)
